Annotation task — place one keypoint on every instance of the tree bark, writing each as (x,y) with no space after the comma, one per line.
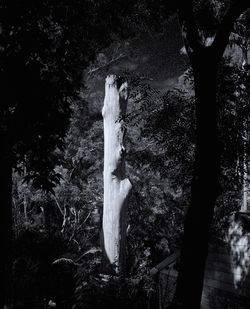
(204,189)
(116,186)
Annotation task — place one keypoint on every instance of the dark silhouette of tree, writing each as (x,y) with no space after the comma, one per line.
(206,29)
(205,55)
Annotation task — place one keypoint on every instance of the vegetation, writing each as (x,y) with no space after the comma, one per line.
(55,60)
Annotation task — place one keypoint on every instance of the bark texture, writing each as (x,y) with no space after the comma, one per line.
(116,186)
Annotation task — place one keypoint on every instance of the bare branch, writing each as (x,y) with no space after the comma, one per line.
(58,205)
(106,64)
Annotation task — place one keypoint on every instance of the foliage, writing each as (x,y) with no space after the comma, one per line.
(160,150)
(241,35)
(234,118)
(96,289)
(234,115)
(33,255)
(160,147)
(45,48)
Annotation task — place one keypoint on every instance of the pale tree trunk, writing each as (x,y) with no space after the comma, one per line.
(116,186)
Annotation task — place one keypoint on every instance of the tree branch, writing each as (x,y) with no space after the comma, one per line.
(121,56)
(222,36)
(58,205)
(192,38)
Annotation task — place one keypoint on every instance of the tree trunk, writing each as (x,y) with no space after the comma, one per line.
(6,230)
(116,185)
(205,183)
(204,189)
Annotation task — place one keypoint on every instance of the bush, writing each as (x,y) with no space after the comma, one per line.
(97,290)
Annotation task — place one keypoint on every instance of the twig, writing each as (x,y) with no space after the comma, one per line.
(106,64)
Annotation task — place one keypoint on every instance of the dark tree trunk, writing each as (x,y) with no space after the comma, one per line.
(205,185)
(6,229)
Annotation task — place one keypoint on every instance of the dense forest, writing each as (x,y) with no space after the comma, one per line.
(125,153)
